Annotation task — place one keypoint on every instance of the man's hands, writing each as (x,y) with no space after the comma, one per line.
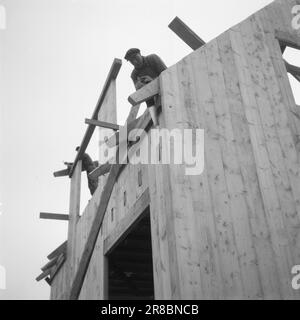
(141,81)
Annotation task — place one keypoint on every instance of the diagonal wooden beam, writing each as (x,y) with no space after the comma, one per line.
(102,124)
(112,75)
(96,225)
(54,216)
(146,92)
(186,34)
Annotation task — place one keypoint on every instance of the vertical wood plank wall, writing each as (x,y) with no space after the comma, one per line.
(234,231)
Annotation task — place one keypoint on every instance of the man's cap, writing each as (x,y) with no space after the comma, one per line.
(131,52)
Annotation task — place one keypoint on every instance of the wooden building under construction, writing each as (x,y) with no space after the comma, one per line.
(233,232)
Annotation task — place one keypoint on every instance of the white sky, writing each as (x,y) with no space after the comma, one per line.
(54,58)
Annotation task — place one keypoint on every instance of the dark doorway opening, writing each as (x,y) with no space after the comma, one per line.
(130,268)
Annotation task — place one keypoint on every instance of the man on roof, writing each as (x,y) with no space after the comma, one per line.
(146,69)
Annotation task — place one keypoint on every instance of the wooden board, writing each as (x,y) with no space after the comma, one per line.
(148,91)
(186,34)
(54,216)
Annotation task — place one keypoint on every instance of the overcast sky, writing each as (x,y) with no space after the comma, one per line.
(54,58)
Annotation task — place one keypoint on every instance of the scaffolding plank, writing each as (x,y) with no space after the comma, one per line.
(54,216)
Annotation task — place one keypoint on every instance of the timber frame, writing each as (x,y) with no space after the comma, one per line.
(231,232)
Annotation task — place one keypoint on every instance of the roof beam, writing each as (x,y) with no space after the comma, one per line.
(186,34)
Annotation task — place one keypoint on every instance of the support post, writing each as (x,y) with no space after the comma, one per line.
(74,210)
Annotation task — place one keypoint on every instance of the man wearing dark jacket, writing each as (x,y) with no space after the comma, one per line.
(88,165)
(146,69)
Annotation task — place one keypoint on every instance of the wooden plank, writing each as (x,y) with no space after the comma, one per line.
(239,207)
(93,234)
(286,164)
(165,264)
(124,226)
(261,135)
(61,173)
(256,215)
(43,275)
(112,75)
(58,251)
(53,216)
(186,34)
(208,239)
(96,225)
(148,91)
(74,212)
(56,268)
(50,264)
(102,124)
(275,184)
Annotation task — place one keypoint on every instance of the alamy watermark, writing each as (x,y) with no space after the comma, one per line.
(296,18)
(158,146)
(296,278)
